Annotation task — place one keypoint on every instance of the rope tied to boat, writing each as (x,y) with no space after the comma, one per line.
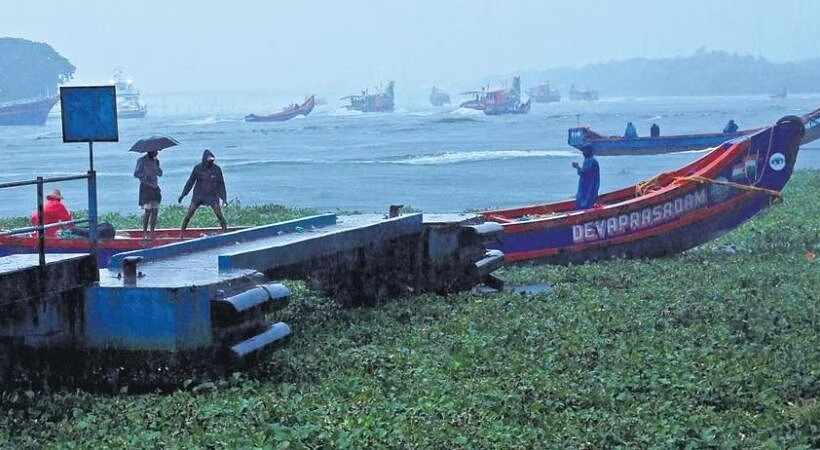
(663,179)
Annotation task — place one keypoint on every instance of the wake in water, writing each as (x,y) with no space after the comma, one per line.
(210,120)
(466,157)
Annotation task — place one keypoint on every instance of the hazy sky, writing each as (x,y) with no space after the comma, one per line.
(183,45)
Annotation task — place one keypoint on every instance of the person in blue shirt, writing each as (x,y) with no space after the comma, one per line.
(731,127)
(588,182)
(630,132)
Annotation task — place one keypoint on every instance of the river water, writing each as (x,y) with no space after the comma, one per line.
(435,159)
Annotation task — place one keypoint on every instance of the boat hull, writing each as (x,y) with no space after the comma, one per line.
(679,215)
(303,110)
(34,112)
(125,241)
(620,146)
(132,113)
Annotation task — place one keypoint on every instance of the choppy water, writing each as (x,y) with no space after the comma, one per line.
(435,159)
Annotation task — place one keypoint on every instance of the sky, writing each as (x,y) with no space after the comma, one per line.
(315,46)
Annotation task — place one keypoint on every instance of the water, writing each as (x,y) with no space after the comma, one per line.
(435,159)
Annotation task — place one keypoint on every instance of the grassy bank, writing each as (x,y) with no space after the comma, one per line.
(715,348)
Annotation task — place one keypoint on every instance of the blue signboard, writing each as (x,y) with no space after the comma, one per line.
(89,113)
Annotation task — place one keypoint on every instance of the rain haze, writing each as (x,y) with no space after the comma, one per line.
(186,45)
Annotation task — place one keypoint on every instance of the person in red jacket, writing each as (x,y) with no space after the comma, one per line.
(53,211)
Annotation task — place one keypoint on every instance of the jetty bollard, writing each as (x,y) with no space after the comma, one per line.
(129,270)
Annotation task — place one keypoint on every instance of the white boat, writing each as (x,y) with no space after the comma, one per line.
(128,98)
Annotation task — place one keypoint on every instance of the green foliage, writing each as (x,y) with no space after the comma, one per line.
(30,69)
(715,348)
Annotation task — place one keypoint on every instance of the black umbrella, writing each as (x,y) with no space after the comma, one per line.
(153,144)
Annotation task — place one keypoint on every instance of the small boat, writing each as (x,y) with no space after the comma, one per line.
(477,102)
(667,214)
(544,94)
(128,98)
(439,97)
(123,241)
(29,111)
(583,137)
(286,113)
(381,101)
(579,95)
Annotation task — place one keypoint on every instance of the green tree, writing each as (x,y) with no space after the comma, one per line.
(30,69)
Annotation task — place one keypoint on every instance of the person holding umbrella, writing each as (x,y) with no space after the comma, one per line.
(148,172)
(209,188)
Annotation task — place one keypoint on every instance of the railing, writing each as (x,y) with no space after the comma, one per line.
(41,227)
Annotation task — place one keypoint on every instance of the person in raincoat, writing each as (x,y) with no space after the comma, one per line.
(209,189)
(630,132)
(148,172)
(730,127)
(588,182)
(54,211)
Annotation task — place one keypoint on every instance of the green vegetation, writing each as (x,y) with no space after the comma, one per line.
(715,348)
(30,69)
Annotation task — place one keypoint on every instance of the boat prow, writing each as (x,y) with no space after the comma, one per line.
(287,113)
(667,214)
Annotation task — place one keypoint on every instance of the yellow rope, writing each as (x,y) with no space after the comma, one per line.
(745,187)
(657,182)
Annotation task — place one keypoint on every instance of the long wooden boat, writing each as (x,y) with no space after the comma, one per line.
(123,241)
(584,137)
(670,213)
(285,114)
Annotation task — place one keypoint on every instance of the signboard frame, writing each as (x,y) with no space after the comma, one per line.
(112,135)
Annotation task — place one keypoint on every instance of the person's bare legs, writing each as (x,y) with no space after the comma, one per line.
(218,213)
(145,219)
(153,221)
(191,210)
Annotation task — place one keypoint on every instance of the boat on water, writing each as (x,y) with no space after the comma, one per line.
(577,95)
(123,241)
(439,97)
(128,98)
(381,101)
(29,111)
(498,101)
(667,214)
(287,113)
(543,93)
(584,137)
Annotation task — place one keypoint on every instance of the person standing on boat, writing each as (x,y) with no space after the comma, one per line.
(655,130)
(148,172)
(588,182)
(630,132)
(209,189)
(730,127)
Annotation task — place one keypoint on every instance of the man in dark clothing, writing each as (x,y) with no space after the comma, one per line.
(730,127)
(150,196)
(209,188)
(654,130)
(589,181)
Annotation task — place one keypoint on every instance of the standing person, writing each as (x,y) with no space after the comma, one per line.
(631,132)
(655,130)
(730,127)
(150,196)
(53,211)
(588,182)
(209,188)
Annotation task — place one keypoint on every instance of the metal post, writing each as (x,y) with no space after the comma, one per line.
(92,211)
(91,156)
(41,235)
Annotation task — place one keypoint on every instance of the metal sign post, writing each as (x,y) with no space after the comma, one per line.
(89,114)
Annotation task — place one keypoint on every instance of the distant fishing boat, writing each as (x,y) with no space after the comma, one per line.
(667,214)
(29,111)
(579,95)
(544,94)
(439,97)
(584,137)
(128,98)
(382,101)
(286,113)
(498,101)
(780,94)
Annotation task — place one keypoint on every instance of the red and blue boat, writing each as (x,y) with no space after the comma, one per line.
(123,241)
(286,113)
(670,213)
